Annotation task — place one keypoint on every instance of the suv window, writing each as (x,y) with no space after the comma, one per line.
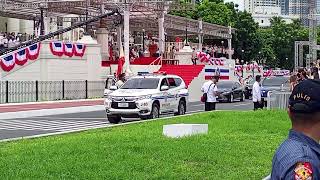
(172,83)
(178,81)
(164,82)
(141,83)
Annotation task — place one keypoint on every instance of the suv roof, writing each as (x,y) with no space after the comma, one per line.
(156,76)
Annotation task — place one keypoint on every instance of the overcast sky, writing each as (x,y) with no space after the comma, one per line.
(239,2)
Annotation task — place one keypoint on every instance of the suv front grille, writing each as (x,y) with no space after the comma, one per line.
(132,105)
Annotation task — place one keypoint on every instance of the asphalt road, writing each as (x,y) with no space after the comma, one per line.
(16,128)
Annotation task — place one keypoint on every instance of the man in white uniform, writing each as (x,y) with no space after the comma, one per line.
(121,81)
(256,94)
(210,87)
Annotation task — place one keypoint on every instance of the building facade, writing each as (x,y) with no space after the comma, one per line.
(300,8)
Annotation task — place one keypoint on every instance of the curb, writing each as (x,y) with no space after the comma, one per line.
(51,102)
(48,112)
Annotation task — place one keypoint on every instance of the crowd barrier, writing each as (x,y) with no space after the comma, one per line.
(32,91)
(278,100)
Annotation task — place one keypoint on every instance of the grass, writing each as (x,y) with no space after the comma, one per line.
(239,145)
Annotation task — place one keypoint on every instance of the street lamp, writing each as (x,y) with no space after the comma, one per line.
(143,34)
(242,61)
(86,32)
(34,25)
(186,34)
(42,6)
(222,42)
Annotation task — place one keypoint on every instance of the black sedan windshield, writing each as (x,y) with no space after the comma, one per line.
(141,83)
(225,84)
(275,81)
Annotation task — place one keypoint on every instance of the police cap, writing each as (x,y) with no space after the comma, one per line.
(305,97)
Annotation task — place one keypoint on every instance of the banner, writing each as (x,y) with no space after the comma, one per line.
(7,62)
(21,57)
(33,51)
(57,48)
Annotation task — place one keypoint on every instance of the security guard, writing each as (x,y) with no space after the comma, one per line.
(298,157)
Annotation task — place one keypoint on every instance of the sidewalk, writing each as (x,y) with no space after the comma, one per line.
(24,110)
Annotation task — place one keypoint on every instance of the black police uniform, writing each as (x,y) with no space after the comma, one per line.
(298,157)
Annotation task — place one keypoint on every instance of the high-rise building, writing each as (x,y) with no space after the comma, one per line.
(300,8)
(249,5)
(284,4)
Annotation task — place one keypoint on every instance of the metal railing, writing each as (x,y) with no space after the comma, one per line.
(31,91)
(278,99)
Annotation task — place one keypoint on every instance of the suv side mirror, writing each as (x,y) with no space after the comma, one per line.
(164,88)
(113,88)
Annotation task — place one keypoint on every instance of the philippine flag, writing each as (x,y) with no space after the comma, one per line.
(223,73)
(33,51)
(21,56)
(57,48)
(68,49)
(7,62)
(79,49)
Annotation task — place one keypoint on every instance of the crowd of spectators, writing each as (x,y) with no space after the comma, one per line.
(303,74)
(9,40)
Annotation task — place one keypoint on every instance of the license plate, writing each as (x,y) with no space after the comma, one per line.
(123,105)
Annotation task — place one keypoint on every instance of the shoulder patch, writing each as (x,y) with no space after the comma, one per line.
(303,171)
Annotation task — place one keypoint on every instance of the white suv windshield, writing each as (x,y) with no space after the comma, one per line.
(141,83)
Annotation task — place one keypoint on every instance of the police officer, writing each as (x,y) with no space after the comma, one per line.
(298,157)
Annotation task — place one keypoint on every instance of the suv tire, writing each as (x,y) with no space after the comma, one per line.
(155,111)
(181,108)
(114,119)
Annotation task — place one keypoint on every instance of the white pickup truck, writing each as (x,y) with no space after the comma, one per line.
(147,96)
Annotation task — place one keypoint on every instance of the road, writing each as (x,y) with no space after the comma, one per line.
(16,128)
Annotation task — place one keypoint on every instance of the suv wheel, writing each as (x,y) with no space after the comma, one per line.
(114,119)
(230,98)
(155,112)
(181,108)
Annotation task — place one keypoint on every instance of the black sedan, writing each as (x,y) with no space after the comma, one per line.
(229,91)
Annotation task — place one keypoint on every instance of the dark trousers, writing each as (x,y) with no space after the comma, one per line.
(209,106)
(257,105)
(194,61)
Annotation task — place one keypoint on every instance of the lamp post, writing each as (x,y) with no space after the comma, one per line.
(222,42)
(87,13)
(41,19)
(186,34)
(34,25)
(143,34)
(242,61)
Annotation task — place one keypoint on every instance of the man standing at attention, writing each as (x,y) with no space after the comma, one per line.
(210,87)
(256,94)
(298,157)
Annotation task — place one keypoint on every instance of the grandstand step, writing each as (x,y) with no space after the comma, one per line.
(186,72)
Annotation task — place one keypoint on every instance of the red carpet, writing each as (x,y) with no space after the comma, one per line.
(186,72)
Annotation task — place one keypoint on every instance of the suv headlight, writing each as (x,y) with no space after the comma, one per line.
(108,97)
(144,97)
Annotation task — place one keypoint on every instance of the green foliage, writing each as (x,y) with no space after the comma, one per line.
(239,145)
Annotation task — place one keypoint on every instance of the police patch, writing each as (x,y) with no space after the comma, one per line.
(303,171)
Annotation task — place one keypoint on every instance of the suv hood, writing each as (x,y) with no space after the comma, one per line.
(133,92)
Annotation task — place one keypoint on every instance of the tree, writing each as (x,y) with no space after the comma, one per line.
(246,41)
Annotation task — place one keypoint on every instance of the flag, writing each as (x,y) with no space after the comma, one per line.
(21,57)
(7,62)
(57,48)
(33,51)
(79,49)
(68,49)
(223,73)
(120,61)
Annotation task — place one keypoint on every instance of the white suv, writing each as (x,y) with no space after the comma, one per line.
(147,96)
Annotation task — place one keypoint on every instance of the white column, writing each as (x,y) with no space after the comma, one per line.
(200,35)
(13,25)
(161,32)
(230,44)
(119,36)
(126,38)
(102,38)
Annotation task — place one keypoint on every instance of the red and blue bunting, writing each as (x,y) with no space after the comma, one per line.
(79,49)
(57,48)
(19,57)
(68,49)
(7,62)
(33,51)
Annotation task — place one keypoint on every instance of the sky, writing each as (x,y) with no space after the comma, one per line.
(239,2)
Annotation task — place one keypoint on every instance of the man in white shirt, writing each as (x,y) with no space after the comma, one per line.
(210,87)
(256,94)
(121,81)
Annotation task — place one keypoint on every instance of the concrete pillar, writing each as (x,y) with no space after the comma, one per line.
(161,32)
(94,69)
(126,39)
(102,38)
(13,25)
(200,35)
(119,36)
(230,44)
